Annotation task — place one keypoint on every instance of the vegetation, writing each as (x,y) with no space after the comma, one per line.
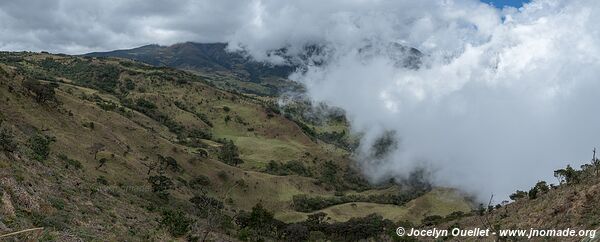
(158,140)
(304,203)
(70,163)
(160,185)
(229,154)
(43,93)
(7,142)
(288,168)
(176,222)
(567,175)
(40,147)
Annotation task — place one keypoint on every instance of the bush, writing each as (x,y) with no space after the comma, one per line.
(7,143)
(568,175)
(40,147)
(169,163)
(102,180)
(160,185)
(205,204)
(43,93)
(304,203)
(70,162)
(291,167)
(357,229)
(176,222)
(229,154)
(199,182)
(296,232)
(204,119)
(517,195)
(145,104)
(532,193)
(260,221)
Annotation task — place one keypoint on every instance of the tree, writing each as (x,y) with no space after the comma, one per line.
(176,222)
(160,185)
(517,195)
(568,175)
(542,187)
(229,154)
(296,232)
(532,193)
(212,210)
(40,147)
(169,163)
(260,220)
(43,93)
(7,143)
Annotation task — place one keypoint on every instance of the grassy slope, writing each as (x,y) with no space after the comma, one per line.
(437,202)
(70,198)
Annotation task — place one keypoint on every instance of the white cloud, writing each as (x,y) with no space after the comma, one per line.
(497,104)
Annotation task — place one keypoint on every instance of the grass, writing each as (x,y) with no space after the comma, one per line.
(437,202)
(130,142)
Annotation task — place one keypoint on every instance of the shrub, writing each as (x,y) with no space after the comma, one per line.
(205,203)
(160,185)
(169,163)
(291,167)
(532,193)
(204,118)
(296,232)
(70,162)
(40,147)
(229,154)
(7,143)
(176,222)
(102,180)
(145,104)
(129,84)
(43,93)
(260,221)
(357,229)
(568,175)
(304,203)
(199,181)
(517,195)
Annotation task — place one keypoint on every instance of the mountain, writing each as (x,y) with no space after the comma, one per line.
(112,149)
(213,58)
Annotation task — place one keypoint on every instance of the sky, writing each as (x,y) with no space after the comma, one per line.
(504,95)
(502,3)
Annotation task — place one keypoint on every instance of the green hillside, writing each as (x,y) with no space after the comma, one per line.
(114,150)
(228,70)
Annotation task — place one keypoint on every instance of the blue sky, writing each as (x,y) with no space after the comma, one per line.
(502,3)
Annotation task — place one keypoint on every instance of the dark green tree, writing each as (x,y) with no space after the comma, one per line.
(229,154)
(40,147)
(43,93)
(7,142)
(176,222)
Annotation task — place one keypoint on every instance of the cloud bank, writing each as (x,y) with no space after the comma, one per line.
(81,26)
(500,99)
